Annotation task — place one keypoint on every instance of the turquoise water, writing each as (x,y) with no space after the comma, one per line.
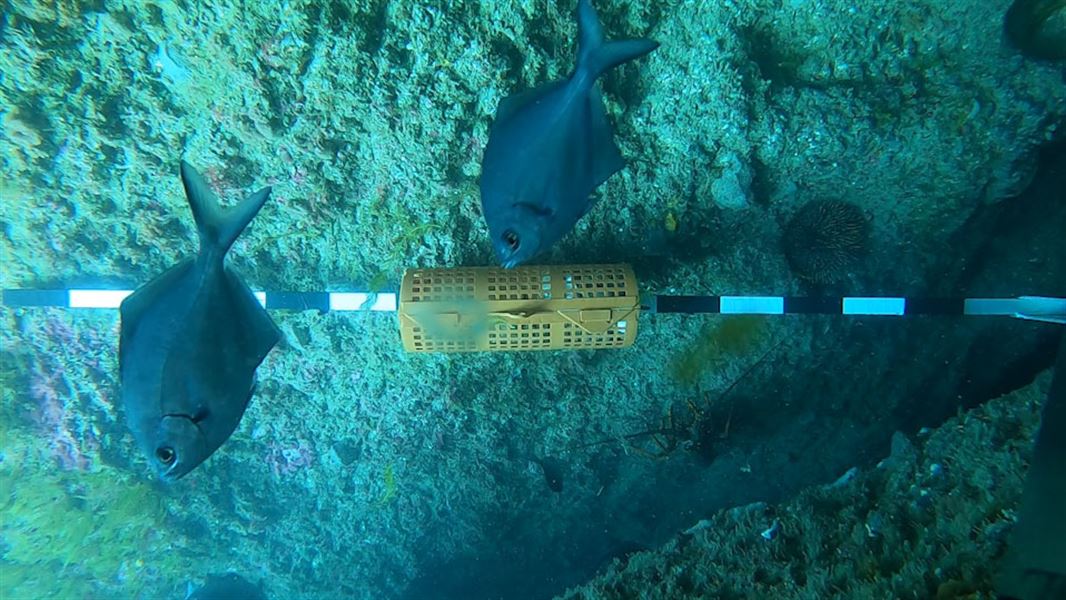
(362,471)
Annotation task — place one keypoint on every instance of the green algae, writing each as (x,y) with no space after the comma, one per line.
(388,485)
(717,345)
(74,534)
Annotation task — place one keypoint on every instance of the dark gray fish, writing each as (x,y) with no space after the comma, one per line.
(191,341)
(550,147)
(229,586)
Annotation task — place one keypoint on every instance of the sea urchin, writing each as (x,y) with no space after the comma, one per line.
(825,239)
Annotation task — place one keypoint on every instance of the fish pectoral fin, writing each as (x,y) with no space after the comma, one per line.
(260,332)
(606,159)
(540,211)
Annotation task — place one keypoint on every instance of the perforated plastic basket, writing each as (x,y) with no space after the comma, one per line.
(526,308)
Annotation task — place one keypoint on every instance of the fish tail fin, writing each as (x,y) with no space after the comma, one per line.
(595,54)
(218,227)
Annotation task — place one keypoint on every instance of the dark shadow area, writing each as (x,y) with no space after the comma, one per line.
(805,419)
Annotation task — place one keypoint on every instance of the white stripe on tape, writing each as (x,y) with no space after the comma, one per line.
(97,298)
(752,305)
(362,301)
(874,306)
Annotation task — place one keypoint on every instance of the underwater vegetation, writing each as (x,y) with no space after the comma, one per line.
(388,485)
(719,343)
(700,426)
(825,239)
(695,428)
(74,534)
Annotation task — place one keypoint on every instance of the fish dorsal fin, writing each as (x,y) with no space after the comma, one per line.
(512,104)
(218,228)
(515,102)
(133,307)
(606,159)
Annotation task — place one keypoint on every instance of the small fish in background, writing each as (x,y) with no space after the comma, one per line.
(191,340)
(229,586)
(550,147)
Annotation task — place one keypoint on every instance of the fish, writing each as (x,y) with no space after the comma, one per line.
(1035,560)
(550,147)
(191,340)
(229,586)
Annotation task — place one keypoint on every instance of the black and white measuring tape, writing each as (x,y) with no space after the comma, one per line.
(320,301)
(1039,308)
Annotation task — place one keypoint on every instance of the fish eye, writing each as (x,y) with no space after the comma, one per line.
(511,239)
(165,454)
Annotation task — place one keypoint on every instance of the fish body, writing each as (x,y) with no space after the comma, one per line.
(550,147)
(191,340)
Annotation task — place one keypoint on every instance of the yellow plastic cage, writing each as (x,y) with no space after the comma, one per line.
(474,309)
